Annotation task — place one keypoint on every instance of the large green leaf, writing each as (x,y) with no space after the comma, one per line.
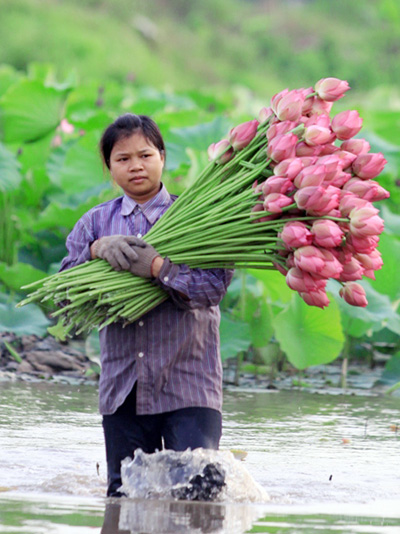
(29,111)
(8,76)
(19,274)
(309,335)
(275,285)
(388,279)
(10,176)
(234,336)
(391,373)
(392,221)
(23,321)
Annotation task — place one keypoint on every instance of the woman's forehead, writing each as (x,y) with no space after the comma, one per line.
(135,142)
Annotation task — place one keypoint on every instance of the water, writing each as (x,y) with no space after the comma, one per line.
(329,463)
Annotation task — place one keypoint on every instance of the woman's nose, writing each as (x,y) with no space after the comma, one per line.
(136,163)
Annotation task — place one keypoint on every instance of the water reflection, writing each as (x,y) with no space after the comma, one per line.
(173,517)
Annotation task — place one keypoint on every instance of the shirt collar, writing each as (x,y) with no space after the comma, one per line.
(150,209)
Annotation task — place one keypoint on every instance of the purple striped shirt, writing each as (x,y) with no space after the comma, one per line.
(172,351)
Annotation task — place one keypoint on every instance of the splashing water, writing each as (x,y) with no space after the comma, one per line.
(200,474)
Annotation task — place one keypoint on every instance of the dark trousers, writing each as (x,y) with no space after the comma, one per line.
(124,432)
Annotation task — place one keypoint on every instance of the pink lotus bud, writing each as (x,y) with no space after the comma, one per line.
(319,106)
(371,262)
(339,179)
(313,175)
(315,298)
(322,120)
(56,141)
(346,158)
(274,202)
(302,281)
(354,294)
(308,160)
(307,105)
(362,245)
(283,270)
(352,270)
(295,234)
(326,233)
(241,135)
(318,261)
(369,165)
(277,184)
(317,200)
(66,127)
(356,146)
(331,89)
(349,201)
(304,150)
(264,115)
(220,152)
(346,124)
(365,222)
(332,163)
(289,168)
(366,189)
(280,128)
(328,149)
(288,106)
(318,135)
(282,147)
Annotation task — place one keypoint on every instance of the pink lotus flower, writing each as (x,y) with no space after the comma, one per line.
(274,202)
(220,152)
(280,128)
(307,105)
(318,135)
(328,149)
(352,270)
(354,294)
(369,165)
(366,189)
(289,168)
(356,146)
(282,147)
(371,262)
(331,89)
(346,124)
(361,245)
(317,200)
(315,298)
(326,233)
(287,105)
(307,160)
(349,201)
(277,184)
(295,234)
(346,158)
(241,135)
(313,175)
(302,149)
(365,222)
(302,281)
(322,119)
(66,127)
(320,106)
(265,114)
(318,261)
(339,179)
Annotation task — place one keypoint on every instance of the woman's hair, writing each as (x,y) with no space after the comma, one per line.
(125,126)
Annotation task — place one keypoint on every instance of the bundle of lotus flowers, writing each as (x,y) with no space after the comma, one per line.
(291,190)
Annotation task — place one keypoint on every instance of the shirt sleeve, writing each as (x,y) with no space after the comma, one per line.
(193,288)
(78,244)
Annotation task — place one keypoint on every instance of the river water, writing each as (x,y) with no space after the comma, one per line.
(330,463)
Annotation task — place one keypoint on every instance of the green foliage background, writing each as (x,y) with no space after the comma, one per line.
(198,68)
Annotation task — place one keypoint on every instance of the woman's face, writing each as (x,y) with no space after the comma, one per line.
(136,165)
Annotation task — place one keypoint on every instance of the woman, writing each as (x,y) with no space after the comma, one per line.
(161,378)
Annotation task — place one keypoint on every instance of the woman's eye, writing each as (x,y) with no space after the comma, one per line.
(145,155)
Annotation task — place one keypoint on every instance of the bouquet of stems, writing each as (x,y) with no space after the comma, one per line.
(291,190)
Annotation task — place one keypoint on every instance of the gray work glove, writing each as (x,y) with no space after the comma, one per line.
(118,250)
(146,254)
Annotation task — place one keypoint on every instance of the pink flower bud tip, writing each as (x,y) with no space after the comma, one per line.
(331,89)
(220,152)
(346,124)
(354,294)
(241,135)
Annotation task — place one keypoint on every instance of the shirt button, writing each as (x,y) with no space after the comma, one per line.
(141,323)
(141,354)
(139,236)
(166,278)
